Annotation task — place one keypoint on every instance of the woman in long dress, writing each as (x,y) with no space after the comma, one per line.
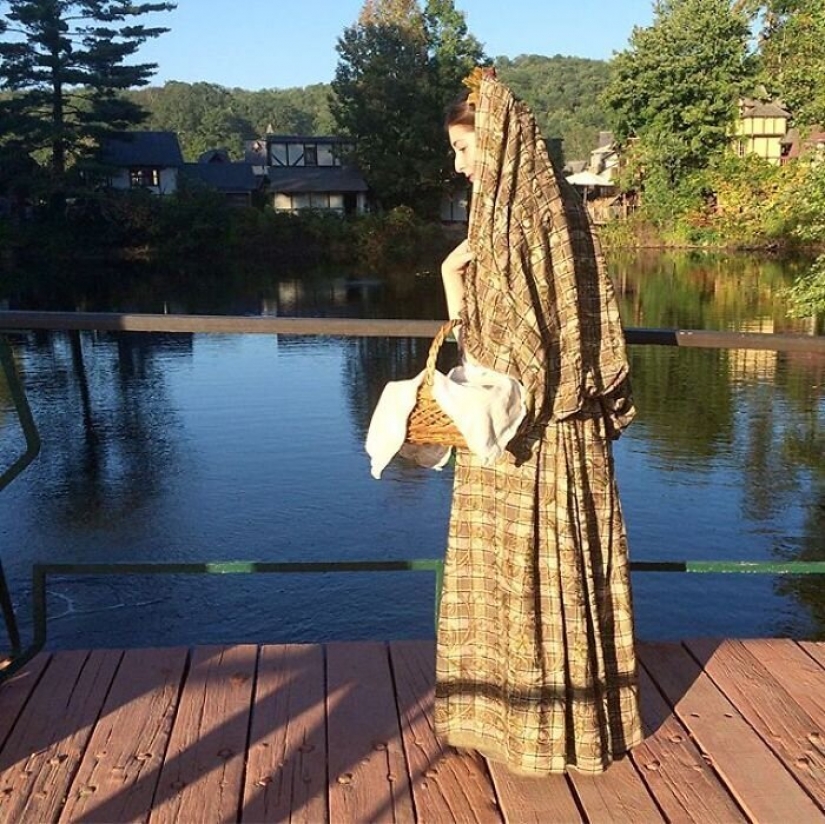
(535,651)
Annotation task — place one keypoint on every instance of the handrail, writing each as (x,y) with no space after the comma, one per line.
(32,436)
(211,324)
(359,327)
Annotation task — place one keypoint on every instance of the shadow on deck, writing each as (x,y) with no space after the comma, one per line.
(343,733)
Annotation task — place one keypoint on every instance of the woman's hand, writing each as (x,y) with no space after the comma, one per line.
(456,262)
(452,273)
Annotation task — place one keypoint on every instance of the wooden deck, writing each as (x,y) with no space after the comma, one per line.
(343,733)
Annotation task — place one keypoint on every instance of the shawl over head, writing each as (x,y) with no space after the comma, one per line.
(538,304)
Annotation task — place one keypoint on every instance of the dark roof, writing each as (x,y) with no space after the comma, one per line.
(315,179)
(142,149)
(225,177)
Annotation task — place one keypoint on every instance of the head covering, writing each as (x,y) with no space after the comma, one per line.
(538,304)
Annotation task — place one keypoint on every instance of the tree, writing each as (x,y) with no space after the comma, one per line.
(676,88)
(66,64)
(793,56)
(399,66)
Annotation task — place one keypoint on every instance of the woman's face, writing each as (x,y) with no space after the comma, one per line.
(463,141)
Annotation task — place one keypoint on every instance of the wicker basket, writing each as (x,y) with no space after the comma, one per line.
(428,423)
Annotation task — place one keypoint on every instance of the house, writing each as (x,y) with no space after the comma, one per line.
(308,172)
(796,144)
(760,129)
(143,160)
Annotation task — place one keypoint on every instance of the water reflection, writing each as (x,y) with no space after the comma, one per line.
(182,447)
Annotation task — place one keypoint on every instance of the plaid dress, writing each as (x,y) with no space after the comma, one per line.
(535,653)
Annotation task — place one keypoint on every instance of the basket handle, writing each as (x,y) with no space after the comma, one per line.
(435,347)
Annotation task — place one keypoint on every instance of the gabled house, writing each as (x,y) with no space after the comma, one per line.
(760,129)
(308,172)
(143,160)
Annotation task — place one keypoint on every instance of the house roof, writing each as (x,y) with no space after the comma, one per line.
(138,148)
(315,179)
(753,108)
(225,177)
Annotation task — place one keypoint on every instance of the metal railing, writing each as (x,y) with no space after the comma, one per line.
(210,324)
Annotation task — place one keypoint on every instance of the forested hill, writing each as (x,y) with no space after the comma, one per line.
(563,92)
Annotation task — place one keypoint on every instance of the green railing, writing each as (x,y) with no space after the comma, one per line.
(24,416)
(55,321)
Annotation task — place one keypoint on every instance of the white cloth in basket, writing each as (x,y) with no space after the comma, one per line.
(486,406)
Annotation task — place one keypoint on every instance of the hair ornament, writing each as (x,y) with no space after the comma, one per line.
(473,82)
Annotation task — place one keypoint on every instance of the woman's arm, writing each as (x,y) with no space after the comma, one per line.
(452,275)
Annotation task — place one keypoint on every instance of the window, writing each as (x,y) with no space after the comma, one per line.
(144,176)
(310,155)
(277,154)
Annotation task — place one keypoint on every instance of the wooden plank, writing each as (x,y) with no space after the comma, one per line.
(762,788)
(13,696)
(119,772)
(801,676)
(202,775)
(446,785)
(368,777)
(45,747)
(616,796)
(784,726)
(286,775)
(685,788)
(524,799)
(816,649)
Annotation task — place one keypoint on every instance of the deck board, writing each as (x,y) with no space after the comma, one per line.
(368,778)
(446,786)
(762,700)
(344,733)
(683,783)
(286,775)
(47,743)
(202,774)
(119,771)
(752,773)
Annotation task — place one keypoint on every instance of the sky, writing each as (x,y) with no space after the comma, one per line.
(279,44)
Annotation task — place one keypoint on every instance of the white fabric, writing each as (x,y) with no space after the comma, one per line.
(486,406)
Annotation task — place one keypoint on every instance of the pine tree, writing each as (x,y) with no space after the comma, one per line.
(65,63)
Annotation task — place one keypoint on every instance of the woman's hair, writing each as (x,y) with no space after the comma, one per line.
(460,112)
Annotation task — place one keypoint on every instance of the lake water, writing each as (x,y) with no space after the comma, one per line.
(223,447)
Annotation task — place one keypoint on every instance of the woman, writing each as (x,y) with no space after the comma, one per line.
(535,664)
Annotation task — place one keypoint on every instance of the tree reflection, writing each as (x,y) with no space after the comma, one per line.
(109,428)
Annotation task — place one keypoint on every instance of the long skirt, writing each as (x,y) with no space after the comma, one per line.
(535,653)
